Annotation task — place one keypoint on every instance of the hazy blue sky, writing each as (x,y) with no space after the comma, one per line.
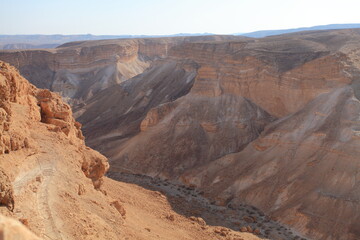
(169,16)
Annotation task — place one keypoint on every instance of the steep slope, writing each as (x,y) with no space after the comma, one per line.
(54,184)
(303,169)
(119,110)
(190,132)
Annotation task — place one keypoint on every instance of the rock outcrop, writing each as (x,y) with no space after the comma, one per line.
(6,191)
(43,157)
(44,106)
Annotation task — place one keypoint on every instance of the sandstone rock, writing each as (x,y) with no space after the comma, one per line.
(24,221)
(119,207)
(6,191)
(201,221)
(243,229)
(81,189)
(198,220)
(94,166)
(56,112)
(222,231)
(249,219)
(38,179)
(171,217)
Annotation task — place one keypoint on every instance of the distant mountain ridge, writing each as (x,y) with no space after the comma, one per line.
(265,33)
(52,41)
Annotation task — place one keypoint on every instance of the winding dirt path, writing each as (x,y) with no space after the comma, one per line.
(45,168)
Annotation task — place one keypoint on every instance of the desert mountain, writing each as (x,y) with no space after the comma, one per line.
(40,41)
(269,122)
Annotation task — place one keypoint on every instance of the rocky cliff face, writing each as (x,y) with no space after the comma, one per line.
(45,160)
(39,106)
(79,70)
(279,75)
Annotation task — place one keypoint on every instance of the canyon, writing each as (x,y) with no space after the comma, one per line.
(54,185)
(270,124)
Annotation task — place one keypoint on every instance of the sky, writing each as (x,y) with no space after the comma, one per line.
(161,17)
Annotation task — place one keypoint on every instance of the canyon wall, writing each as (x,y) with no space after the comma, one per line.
(78,70)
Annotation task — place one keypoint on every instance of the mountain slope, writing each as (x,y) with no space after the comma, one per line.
(302,169)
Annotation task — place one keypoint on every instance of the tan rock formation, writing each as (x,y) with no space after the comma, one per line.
(6,191)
